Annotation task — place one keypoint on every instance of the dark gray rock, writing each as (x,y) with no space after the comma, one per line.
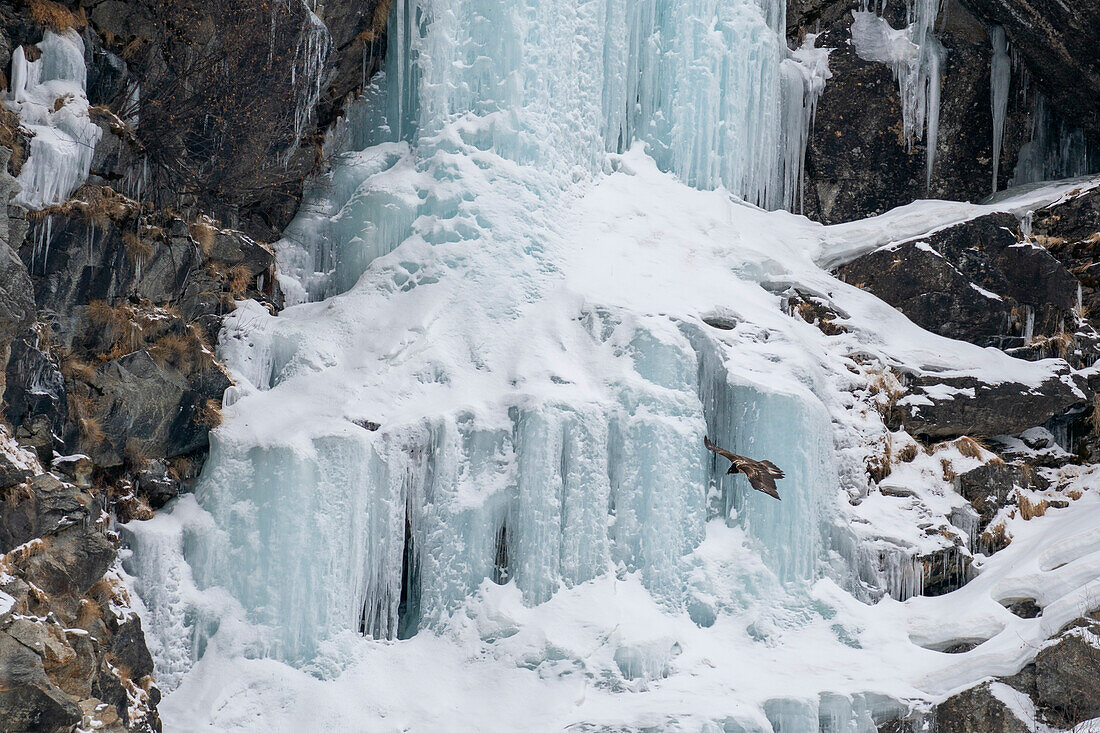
(47,505)
(1057,40)
(35,394)
(81,262)
(29,702)
(16,291)
(989,487)
(976,710)
(1067,675)
(1025,608)
(945,570)
(129,649)
(991,409)
(157,484)
(978,281)
(76,557)
(10,473)
(160,409)
(1070,232)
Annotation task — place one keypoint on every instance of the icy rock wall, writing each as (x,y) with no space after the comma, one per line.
(916,57)
(1055,150)
(49,97)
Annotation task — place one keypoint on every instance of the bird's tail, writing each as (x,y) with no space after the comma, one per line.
(708,444)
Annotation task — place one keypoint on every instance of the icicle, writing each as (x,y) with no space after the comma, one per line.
(805,73)
(1000,78)
(916,57)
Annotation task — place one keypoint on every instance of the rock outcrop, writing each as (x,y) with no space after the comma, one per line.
(71,651)
(980,281)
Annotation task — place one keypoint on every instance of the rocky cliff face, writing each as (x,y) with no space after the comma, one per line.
(209,117)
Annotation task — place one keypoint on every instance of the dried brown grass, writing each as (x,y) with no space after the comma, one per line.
(995,537)
(1031,509)
(1061,344)
(238,279)
(970,447)
(377,29)
(204,233)
(92,431)
(138,250)
(210,414)
(75,368)
(137,452)
(881,463)
(909,453)
(57,17)
(102,313)
(98,205)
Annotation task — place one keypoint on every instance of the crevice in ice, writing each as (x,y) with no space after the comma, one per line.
(408,610)
(502,570)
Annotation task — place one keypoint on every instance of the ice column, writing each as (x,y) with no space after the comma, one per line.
(1000,78)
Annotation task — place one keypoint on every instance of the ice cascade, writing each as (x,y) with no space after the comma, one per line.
(485,462)
(49,97)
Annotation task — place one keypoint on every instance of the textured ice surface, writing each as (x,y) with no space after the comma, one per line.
(461,484)
(49,97)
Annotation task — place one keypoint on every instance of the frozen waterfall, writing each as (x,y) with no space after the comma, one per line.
(537,274)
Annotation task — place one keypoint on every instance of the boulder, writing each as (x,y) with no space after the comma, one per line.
(29,702)
(978,281)
(947,407)
(979,710)
(1067,674)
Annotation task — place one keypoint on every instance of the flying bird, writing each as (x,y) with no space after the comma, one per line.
(761,474)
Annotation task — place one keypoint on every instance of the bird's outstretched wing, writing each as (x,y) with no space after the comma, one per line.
(715,449)
(761,474)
